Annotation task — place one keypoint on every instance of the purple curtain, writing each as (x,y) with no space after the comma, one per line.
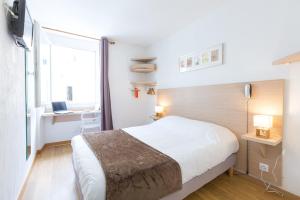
(106,116)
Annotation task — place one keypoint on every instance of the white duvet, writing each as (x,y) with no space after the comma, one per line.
(197,147)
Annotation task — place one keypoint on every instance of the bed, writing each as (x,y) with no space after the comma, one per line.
(203,151)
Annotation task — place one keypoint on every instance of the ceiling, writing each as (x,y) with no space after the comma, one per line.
(141,22)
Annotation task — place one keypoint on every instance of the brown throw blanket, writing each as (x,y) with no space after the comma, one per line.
(133,169)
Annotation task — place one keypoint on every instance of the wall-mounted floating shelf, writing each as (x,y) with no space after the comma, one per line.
(143,65)
(288,59)
(144,83)
(143,68)
(273,140)
(143,59)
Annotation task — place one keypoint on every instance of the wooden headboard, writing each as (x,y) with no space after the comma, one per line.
(226,105)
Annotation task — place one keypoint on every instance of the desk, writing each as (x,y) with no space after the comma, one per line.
(67,117)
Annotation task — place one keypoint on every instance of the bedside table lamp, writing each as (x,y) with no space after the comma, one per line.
(159,111)
(263,124)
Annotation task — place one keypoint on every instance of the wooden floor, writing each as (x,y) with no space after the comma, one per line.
(52,178)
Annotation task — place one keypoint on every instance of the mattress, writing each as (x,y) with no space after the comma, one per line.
(197,146)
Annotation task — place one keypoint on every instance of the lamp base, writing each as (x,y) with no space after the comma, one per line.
(159,115)
(263,133)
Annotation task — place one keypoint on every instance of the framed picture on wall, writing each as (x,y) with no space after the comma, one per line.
(216,55)
(212,56)
(205,58)
(183,63)
(197,61)
(189,61)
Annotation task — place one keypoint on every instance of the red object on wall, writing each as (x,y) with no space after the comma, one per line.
(136,92)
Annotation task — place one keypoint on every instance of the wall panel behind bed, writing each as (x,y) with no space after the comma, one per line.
(225,105)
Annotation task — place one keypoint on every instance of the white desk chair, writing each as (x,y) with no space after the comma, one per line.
(90,122)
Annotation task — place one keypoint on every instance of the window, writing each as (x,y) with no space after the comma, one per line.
(71,75)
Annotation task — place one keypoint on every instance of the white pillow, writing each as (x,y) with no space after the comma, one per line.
(190,127)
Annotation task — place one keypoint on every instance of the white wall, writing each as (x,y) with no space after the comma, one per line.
(254,33)
(13,164)
(127,110)
(291,159)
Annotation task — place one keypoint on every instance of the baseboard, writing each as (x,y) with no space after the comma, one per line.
(23,186)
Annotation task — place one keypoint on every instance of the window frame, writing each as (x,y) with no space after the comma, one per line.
(81,45)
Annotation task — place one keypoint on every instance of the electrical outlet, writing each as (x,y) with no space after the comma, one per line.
(263,167)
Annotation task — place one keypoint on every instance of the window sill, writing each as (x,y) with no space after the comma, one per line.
(78,112)
(75,108)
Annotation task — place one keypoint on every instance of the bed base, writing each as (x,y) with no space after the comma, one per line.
(192,185)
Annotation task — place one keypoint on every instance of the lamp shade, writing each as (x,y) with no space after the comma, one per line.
(263,121)
(159,109)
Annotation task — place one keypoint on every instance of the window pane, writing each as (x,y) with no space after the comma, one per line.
(76,69)
(45,70)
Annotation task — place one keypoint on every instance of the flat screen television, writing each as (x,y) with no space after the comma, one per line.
(21,24)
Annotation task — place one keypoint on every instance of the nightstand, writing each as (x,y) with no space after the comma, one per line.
(274,140)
